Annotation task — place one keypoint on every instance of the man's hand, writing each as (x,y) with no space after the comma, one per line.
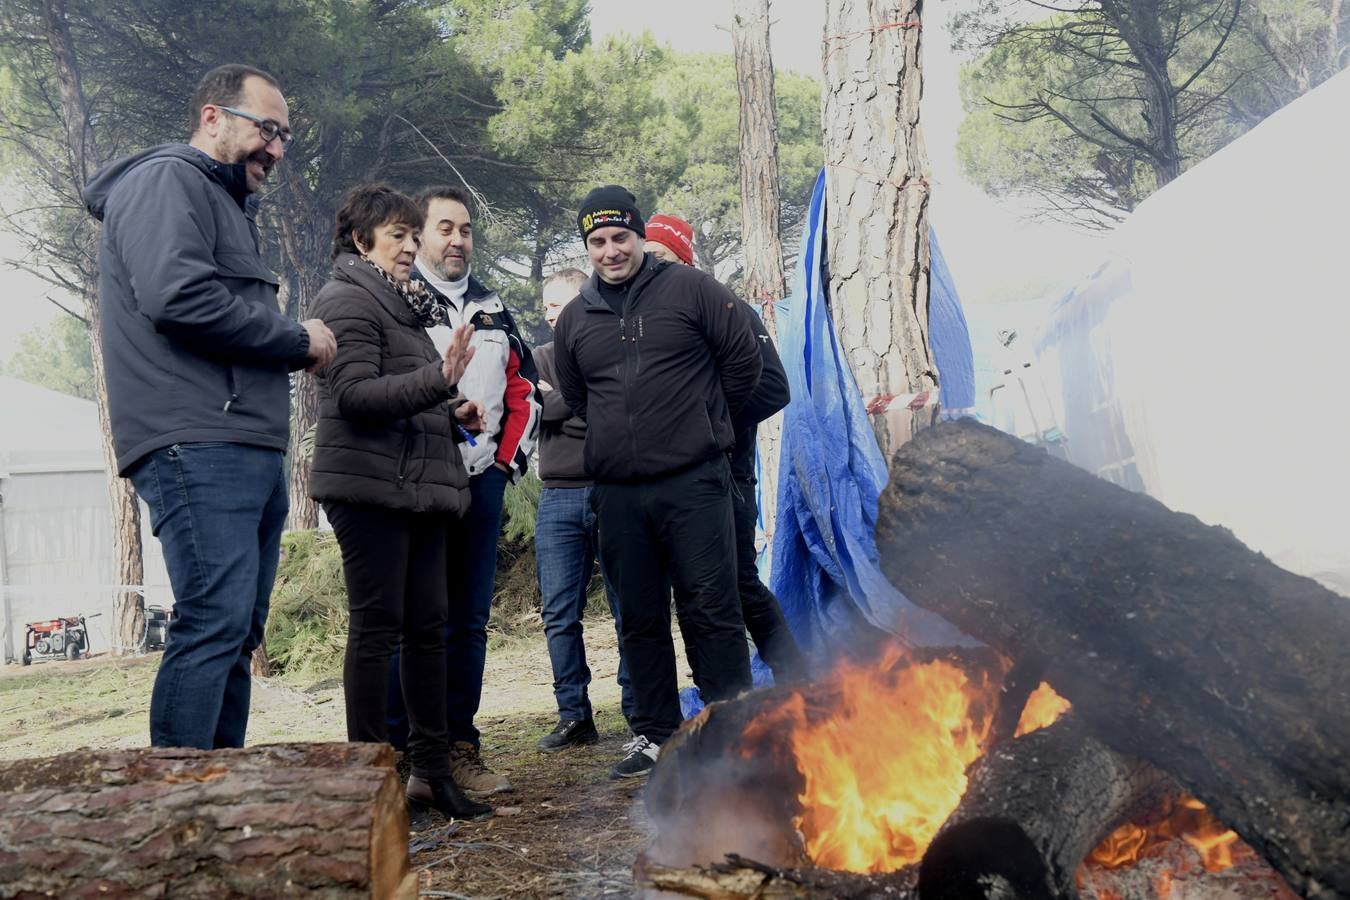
(457,355)
(503,466)
(469,415)
(322,344)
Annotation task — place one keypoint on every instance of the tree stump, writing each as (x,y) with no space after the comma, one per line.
(270,821)
(1175,643)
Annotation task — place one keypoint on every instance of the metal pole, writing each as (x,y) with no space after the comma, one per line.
(4,582)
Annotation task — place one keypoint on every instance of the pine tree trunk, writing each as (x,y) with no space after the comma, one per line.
(128,631)
(877,204)
(128,572)
(303,245)
(764,280)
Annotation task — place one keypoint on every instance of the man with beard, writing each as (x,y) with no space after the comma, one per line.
(197,360)
(501,379)
(658,360)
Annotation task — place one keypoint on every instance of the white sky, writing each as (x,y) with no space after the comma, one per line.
(994,253)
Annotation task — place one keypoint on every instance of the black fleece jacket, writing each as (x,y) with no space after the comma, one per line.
(770,395)
(659,383)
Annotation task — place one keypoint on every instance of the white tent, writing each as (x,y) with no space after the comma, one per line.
(55,528)
(1205,362)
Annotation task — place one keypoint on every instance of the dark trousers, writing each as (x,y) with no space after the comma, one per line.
(763,615)
(675,532)
(218,510)
(394,564)
(471,570)
(564,549)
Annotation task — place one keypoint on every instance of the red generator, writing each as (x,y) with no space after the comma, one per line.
(56,639)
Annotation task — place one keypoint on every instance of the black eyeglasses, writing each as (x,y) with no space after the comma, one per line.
(269,129)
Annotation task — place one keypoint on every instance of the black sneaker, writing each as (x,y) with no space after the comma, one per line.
(639,759)
(569,733)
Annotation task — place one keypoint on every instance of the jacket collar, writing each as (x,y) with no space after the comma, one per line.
(476,292)
(353,269)
(651,267)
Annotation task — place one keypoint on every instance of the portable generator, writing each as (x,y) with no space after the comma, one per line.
(65,638)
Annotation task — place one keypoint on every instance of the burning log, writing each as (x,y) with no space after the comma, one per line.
(1174,642)
(267,821)
(744,879)
(1033,810)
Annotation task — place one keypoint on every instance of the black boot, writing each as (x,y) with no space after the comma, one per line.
(569,733)
(444,796)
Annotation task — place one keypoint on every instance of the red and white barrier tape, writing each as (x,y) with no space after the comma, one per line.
(880,403)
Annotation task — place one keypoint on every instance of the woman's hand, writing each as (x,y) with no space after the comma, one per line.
(469,415)
(457,355)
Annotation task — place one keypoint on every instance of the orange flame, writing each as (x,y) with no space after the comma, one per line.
(1043,709)
(1218,846)
(887,765)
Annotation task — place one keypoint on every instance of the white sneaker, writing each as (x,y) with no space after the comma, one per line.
(639,757)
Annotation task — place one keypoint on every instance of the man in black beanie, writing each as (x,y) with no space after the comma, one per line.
(657,359)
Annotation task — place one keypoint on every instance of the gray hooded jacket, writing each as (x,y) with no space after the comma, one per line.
(194,346)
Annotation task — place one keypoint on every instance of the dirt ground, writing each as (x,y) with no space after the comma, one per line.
(564,830)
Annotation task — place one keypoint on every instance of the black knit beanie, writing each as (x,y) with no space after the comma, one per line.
(610,205)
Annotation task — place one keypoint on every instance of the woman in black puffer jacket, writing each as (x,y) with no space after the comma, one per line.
(387,470)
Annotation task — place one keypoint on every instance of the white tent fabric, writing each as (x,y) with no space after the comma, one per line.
(56,554)
(1205,362)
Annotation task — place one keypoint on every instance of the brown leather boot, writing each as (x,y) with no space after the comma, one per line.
(466,767)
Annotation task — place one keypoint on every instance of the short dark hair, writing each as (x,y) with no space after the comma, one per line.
(570,276)
(367,207)
(443,192)
(223,86)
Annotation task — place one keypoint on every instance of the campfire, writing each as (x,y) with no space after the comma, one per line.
(966,774)
(881,752)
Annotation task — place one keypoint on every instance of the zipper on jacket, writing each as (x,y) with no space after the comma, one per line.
(403,460)
(229,382)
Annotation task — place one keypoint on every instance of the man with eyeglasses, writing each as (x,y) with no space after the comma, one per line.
(198,360)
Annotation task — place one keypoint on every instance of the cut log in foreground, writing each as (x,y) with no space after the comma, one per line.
(1032,812)
(269,821)
(1174,642)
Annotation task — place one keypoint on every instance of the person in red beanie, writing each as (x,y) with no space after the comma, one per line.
(672,239)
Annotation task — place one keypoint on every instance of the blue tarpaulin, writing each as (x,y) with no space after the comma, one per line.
(826,572)
(825,568)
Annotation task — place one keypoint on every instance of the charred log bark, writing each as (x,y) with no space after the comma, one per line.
(267,821)
(744,879)
(1174,642)
(1033,811)
(753,786)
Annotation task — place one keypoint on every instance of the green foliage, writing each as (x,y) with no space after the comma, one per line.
(702,125)
(55,356)
(1062,108)
(307,626)
(520,505)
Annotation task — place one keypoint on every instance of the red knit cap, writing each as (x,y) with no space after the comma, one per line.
(677,234)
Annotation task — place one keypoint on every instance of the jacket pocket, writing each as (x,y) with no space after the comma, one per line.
(406,456)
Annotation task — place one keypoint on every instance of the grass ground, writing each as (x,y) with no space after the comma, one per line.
(564,830)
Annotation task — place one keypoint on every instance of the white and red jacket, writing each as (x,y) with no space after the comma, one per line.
(501,376)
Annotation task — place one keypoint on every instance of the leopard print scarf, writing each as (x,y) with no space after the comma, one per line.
(421,303)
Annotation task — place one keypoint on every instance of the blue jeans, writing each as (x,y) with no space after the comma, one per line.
(564,549)
(218,510)
(471,560)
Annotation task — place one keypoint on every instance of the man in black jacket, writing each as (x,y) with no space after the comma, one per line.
(671,238)
(197,359)
(657,359)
